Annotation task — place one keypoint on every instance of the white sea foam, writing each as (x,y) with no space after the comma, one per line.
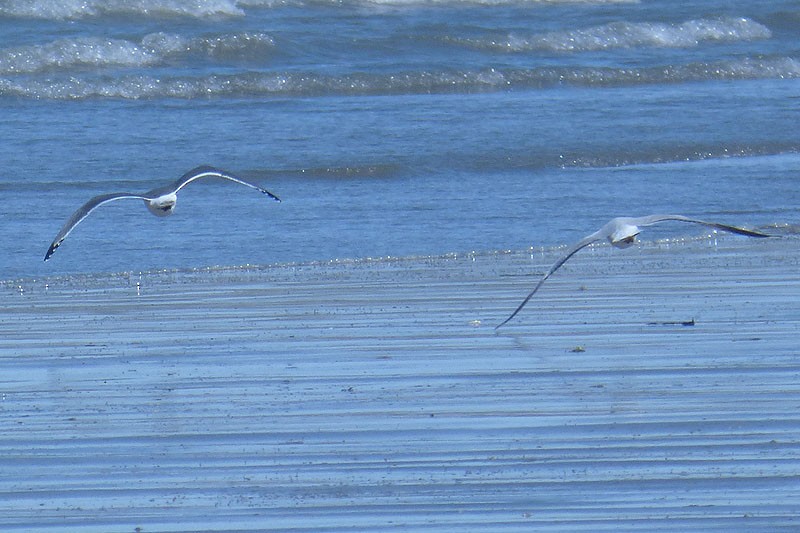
(98,52)
(76,9)
(73,9)
(236,46)
(74,53)
(81,53)
(396,3)
(255,84)
(628,35)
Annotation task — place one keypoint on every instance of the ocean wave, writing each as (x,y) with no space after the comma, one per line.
(69,54)
(153,49)
(81,53)
(625,35)
(669,155)
(78,9)
(288,84)
(236,47)
(418,3)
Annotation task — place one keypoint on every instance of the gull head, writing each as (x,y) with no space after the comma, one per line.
(162,206)
(623,235)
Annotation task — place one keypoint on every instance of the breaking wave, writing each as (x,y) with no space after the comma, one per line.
(153,49)
(78,9)
(75,9)
(626,35)
(291,83)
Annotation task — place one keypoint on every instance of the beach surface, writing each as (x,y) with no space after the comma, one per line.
(655,389)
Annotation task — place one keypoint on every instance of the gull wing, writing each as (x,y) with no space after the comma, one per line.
(83,212)
(653,219)
(586,241)
(205,171)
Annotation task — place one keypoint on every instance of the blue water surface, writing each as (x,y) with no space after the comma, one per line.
(387,128)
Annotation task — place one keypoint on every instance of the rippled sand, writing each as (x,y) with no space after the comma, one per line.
(656,388)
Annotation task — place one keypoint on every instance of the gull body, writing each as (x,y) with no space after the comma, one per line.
(621,232)
(160,201)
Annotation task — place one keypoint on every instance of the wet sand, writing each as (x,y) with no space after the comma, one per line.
(653,389)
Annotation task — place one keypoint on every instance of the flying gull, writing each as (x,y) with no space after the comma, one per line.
(160,201)
(621,232)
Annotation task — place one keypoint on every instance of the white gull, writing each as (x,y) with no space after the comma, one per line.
(621,232)
(160,201)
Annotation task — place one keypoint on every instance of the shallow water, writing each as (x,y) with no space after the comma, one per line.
(377,395)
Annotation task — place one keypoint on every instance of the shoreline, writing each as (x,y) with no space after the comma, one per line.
(377,395)
(782,231)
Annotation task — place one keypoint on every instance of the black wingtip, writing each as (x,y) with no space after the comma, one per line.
(742,231)
(753,233)
(51,250)
(270,195)
(504,322)
(516,311)
(747,232)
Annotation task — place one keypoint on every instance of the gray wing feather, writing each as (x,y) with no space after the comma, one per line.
(82,213)
(205,171)
(594,237)
(653,219)
(640,221)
